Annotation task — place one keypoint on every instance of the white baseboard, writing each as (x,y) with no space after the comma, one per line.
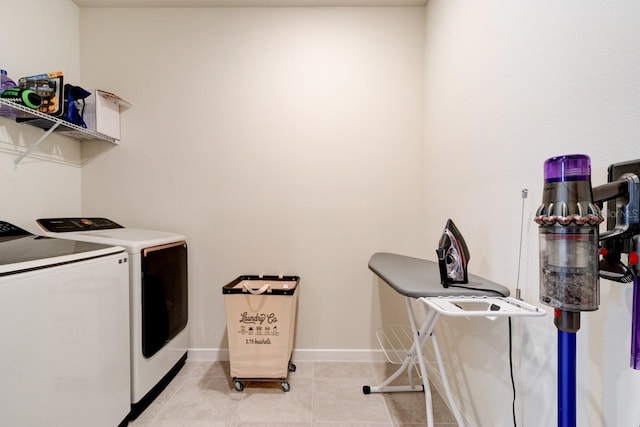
(323,355)
(208,354)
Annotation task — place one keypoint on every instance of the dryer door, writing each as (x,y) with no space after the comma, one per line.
(164,295)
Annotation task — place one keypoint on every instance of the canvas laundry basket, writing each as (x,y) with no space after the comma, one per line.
(261,317)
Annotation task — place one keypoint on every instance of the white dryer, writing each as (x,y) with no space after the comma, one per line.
(158,297)
(64,326)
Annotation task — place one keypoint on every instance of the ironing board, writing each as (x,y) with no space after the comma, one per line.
(419,279)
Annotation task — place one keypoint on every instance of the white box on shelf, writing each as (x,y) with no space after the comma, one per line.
(102,113)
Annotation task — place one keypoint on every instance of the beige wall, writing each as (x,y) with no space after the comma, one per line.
(303,140)
(48,182)
(278,140)
(508,85)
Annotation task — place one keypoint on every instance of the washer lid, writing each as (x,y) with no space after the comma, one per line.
(101,230)
(28,252)
(133,239)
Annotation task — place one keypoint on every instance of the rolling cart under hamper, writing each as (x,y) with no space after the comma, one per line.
(261,313)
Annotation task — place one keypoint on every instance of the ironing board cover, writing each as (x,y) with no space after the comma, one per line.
(415,277)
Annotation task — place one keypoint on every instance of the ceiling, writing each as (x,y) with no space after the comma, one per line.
(244,3)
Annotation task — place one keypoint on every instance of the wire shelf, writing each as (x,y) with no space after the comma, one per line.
(45,121)
(396,342)
(53,124)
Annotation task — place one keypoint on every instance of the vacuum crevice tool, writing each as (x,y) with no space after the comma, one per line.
(612,268)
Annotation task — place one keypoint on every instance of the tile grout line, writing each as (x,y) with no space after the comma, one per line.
(165,413)
(165,403)
(386,405)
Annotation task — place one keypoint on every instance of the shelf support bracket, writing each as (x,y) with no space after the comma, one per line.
(35,144)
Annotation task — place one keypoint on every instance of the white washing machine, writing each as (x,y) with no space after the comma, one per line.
(64,328)
(158,298)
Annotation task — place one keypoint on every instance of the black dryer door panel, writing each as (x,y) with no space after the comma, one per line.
(164,295)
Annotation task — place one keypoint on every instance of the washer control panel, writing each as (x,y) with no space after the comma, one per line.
(66,225)
(10,230)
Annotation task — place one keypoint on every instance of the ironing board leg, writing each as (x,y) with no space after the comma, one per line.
(417,339)
(407,363)
(445,383)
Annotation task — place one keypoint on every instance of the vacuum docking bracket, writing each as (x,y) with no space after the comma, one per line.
(622,195)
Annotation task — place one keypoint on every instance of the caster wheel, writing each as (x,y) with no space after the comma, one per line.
(366,389)
(292,367)
(238,385)
(285,386)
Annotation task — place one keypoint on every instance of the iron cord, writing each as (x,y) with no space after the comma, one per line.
(513,382)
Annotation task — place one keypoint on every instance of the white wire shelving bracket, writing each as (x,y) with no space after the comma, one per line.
(58,125)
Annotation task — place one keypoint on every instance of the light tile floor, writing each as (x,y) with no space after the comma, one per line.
(323,394)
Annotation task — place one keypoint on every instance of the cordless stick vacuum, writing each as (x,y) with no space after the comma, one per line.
(569,252)
(568,220)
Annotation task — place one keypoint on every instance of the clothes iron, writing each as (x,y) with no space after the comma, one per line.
(453,256)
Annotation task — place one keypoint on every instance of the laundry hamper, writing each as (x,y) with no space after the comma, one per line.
(261,316)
